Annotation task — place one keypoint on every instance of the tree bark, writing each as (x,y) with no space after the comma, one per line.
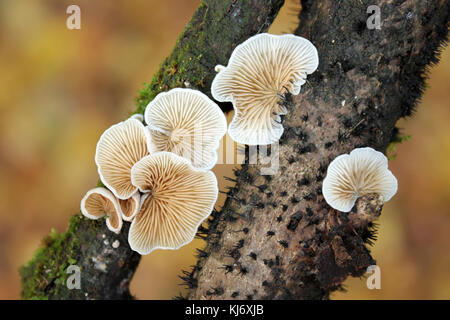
(215,29)
(276,238)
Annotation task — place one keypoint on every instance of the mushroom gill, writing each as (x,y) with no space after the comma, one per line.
(187,123)
(259,71)
(119,148)
(100,202)
(177,198)
(130,207)
(349,176)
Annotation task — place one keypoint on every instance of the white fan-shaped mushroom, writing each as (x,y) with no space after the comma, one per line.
(177,199)
(131,206)
(119,148)
(138,116)
(187,123)
(259,70)
(361,172)
(100,202)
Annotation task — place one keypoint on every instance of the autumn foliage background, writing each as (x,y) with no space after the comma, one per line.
(60,89)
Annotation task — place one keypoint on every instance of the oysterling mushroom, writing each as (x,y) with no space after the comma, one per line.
(259,71)
(177,198)
(100,202)
(187,123)
(130,207)
(137,116)
(349,176)
(119,148)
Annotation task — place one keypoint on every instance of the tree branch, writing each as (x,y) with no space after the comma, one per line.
(276,238)
(214,31)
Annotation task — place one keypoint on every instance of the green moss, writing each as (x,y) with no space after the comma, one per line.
(391,150)
(100,184)
(179,69)
(215,29)
(46,272)
(193,59)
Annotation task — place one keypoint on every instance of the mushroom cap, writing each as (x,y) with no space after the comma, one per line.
(137,116)
(349,176)
(176,201)
(119,148)
(187,123)
(100,202)
(259,70)
(130,207)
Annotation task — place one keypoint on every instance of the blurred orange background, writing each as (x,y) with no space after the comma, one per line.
(60,89)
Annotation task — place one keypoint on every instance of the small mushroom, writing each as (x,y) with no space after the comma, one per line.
(260,70)
(177,198)
(137,116)
(119,148)
(187,123)
(100,202)
(349,176)
(130,207)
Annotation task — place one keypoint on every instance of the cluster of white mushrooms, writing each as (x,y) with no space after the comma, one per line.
(156,167)
(149,180)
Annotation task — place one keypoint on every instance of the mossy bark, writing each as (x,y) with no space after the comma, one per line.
(105,262)
(214,31)
(209,38)
(276,238)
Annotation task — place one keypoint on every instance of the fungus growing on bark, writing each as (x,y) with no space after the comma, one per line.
(177,198)
(187,123)
(100,202)
(260,71)
(350,176)
(119,148)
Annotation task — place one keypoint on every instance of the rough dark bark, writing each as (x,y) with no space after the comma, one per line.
(214,31)
(104,259)
(276,238)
